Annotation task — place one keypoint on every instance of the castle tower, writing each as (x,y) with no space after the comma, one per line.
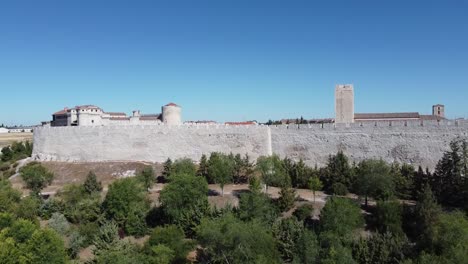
(344,103)
(171,114)
(438,110)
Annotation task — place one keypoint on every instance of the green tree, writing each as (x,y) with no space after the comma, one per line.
(256,205)
(229,240)
(45,246)
(123,196)
(427,216)
(203,167)
(303,212)
(162,254)
(183,193)
(374,180)
(287,198)
(221,169)
(340,216)
(147,177)
(9,197)
(338,172)
(59,224)
(91,185)
(173,238)
(166,173)
(451,237)
(7,154)
(388,217)
(183,166)
(36,176)
(315,185)
(287,233)
(272,171)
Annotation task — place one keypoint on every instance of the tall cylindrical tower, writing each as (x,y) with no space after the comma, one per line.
(172,114)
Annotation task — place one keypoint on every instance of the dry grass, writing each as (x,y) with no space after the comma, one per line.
(8,138)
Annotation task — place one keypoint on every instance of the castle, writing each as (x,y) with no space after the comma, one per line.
(95,135)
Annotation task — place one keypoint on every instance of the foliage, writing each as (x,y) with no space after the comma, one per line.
(162,254)
(122,252)
(36,176)
(220,169)
(45,246)
(59,224)
(17,151)
(315,185)
(374,180)
(229,240)
(125,196)
(450,184)
(91,185)
(340,216)
(166,173)
(183,193)
(257,206)
(173,238)
(303,212)
(75,244)
(272,170)
(28,208)
(107,236)
(427,215)
(388,217)
(287,232)
(337,171)
(147,177)
(380,248)
(183,166)
(287,198)
(450,237)
(203,168)
(9,197)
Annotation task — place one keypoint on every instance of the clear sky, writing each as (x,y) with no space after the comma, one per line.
(232,60)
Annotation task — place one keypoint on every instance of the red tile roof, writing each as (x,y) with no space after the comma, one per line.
(61,112)
(171,104)
(240,123)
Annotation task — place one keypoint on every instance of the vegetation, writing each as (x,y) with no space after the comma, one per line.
(385,228)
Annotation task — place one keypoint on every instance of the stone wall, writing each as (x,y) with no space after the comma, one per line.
(410,142)
(153,143)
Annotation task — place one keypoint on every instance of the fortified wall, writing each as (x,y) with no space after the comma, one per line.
(415,142)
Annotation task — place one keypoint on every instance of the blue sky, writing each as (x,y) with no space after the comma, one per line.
(231,60)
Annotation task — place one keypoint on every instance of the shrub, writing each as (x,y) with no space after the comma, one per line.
(303,212)
(59,224)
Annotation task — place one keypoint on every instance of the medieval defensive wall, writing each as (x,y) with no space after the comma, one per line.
(415,142)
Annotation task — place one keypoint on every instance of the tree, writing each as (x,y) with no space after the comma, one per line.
(337,173)
(287,198)
(91,185)
(340,216)
(36,176)
(388,217)
(147,177)
(450,185)
(427,216)
(221,169)
(173,238)
(183,193)
(315,185)
(451,237)
(167,169)
(380,248)
(7,154)
(303,212)
(203,167)
(59,224)
(374,180)
(183,166)
(229,240)
(287,232)
(45,246)
(272,171)
(9,197)
(256,205)
(123,197)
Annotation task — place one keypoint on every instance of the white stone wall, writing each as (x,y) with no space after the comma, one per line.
(171,115)
(407,142)
(153,143)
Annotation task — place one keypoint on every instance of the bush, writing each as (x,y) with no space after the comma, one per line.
(172,237)
(303,212)
(36,176)
(59,224)
(339,189)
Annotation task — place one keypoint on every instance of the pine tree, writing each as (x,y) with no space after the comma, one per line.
(203,167)
(167,169)
(91,185)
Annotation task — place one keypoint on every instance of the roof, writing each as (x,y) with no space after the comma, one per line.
(150,117)
(386,115)
(86,107)
(431,117)
(172,104)
(240,123)
(61,112)
(119,118)
(116,113)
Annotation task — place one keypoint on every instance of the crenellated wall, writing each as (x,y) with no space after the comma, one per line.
(411,142)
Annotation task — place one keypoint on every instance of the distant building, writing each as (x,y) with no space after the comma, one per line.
(91,115)
(344,107)
(246,123)
(4,130)
(20,129)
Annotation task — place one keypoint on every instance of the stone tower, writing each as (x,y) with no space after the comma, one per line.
(438,110)
(171,114)
(344,103)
